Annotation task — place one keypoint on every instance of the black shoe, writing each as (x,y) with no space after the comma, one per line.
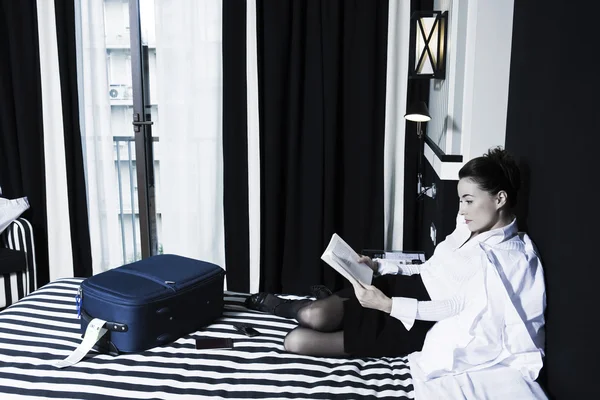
(271,304)
(263,302)
(320,291)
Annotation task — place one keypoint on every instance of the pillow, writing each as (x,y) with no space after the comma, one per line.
(11,210)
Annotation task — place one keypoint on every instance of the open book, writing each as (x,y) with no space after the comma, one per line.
(344,260)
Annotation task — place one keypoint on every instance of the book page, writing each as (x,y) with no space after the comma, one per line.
(344,259)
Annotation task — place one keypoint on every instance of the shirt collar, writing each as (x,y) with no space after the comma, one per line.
(492,237)
(498,235)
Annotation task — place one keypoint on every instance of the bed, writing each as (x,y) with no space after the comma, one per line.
(43,327)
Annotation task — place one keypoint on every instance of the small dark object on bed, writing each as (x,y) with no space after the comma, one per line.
(246,329)
(214,343)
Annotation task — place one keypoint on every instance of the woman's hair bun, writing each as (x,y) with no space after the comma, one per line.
(508,165)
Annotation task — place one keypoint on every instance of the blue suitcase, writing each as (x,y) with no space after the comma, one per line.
(151,302)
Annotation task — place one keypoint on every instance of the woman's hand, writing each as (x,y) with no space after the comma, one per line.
(367,260)
(370,297)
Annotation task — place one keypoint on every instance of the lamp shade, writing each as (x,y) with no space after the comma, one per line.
(417,112)
(427,51)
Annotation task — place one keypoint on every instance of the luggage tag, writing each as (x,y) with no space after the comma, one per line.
(95,330)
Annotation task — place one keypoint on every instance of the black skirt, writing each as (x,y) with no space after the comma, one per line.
(373,333)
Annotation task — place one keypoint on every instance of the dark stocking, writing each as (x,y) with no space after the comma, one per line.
(289,308)
(320,331)
(313,343)
(325,315)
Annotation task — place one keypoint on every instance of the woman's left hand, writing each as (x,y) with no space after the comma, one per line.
(370,297)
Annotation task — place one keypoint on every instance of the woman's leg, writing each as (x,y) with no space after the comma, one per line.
(313,343)
(325,315)
(320,332)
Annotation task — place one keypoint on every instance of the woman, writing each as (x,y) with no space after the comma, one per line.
(483,290)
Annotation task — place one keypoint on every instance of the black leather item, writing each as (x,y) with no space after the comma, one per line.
(263,302)
(269,303)
(320,291)
(12,261)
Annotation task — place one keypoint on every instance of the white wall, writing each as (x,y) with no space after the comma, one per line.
(439,129)
(470,106)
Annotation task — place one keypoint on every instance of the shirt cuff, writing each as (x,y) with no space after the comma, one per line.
(387,267)
(405,310)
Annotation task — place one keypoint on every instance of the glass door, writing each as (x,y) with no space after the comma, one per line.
(150,74)
(116,155)
(182,65)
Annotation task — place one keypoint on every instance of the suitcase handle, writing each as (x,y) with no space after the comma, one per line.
(111,326)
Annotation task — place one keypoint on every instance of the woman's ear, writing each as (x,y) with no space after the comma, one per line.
(501,199)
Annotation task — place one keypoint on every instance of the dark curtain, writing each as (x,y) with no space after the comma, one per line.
(322,74)
(80,232)
(235,147)
(416,235)
(22,171)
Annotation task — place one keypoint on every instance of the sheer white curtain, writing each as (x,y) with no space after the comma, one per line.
(189,83)
(253,144)
(396,91)
(97,141)
(60,256)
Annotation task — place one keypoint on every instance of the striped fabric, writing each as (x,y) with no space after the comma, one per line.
(43,328)
(13,286)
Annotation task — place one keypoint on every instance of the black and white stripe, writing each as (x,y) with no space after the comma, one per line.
(43,328)
(15,285)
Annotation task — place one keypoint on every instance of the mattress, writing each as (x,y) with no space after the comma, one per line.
(43,327)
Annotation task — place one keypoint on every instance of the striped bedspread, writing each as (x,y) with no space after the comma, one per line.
(43,328)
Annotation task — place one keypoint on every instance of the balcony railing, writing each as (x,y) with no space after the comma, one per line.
(127,159)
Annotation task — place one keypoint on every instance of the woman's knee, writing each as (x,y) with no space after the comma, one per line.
(295,341)
(313,316)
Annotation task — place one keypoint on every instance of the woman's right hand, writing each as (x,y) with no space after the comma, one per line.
(367,260)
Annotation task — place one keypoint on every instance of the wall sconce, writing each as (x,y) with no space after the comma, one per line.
(418,112)
(428,38)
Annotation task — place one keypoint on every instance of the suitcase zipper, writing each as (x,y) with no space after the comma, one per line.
(114,297)
(168,284)
(79,300)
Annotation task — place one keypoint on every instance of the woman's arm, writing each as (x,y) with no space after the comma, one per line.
(439,309)
(407,310)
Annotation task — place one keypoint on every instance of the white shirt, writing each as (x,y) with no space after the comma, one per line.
(499,279)
(453,263)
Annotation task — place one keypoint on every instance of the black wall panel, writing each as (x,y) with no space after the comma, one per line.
(553,130)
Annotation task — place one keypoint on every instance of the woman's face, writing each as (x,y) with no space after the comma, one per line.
(479,208)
